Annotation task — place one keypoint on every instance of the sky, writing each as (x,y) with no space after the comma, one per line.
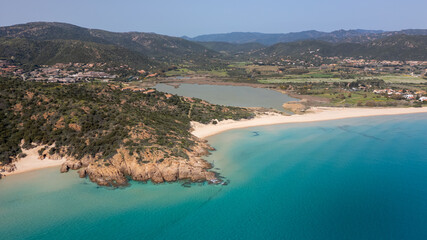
(197,17)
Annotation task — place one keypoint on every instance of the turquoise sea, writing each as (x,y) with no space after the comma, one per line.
(361,178)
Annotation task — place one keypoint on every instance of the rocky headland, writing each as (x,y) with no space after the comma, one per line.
(155,167)
(110,133)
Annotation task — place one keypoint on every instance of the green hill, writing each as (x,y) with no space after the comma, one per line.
(232,48)
(49,43)
(397,47)
(62,51)
(153,46)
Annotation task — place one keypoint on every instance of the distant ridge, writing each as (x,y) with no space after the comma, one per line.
(395,47)
(40,43)
(353,36)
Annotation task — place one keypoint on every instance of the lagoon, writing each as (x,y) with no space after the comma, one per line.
(237,96)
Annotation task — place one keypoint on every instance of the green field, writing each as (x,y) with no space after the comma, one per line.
(239,64)
(326,78)
(402,79)
(214,73)
(188,72)
(303,79)
(179,72)
(354,97)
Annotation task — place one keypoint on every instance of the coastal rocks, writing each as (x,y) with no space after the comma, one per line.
(46,152)
(105,175)
(73,165)
(82,173)
(5,169)
(170,171)
(202,149)
(88,159)
(155,165)
(9,167)
(195,174)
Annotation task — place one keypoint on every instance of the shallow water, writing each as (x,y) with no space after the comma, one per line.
(238,96)
(358,178)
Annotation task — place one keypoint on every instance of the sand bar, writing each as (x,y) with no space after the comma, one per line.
(32,162)
(315,114)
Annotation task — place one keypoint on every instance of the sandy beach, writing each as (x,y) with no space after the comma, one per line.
(32,162)
(315,114)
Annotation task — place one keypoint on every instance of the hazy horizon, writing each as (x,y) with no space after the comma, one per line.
(193,18)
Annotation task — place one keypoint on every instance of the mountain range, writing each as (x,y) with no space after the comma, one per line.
(40,43)
(134,48)
(268,39)
(395,47)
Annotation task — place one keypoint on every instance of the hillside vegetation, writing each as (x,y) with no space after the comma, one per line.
(92,123)
(49,52)
(398,47)
(159,49)
(50,42)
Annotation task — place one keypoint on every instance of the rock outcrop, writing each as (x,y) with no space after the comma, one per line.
(105,176)
(155,166)
(73,165)
(8,167)
(82,172)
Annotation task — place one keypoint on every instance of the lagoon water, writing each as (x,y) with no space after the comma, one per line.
(362,178)
(238,96)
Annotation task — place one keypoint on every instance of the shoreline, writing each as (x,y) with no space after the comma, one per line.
(313,115)
(32,162)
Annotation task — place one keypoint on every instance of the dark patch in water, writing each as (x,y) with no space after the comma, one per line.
(255,134)
(210,198)
(326,129)
(178,219)
(186,184)
(346,128)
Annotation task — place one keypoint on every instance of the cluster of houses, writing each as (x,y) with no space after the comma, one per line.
(72,72)
(406,94)
(8,68)
(67,73)
(414,68)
